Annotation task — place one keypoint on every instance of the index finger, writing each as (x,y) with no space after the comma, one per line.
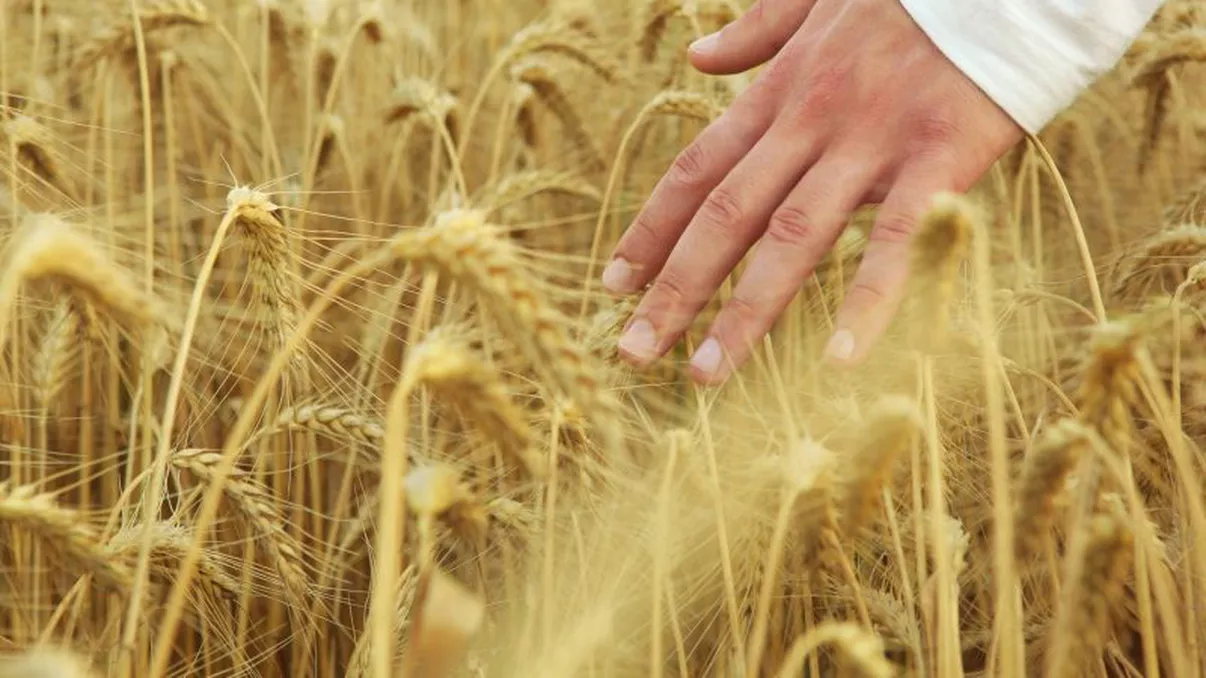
(646,245)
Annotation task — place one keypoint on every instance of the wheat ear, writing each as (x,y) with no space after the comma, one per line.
(46,662)
(169,543)
(154,15)
(33,141)
(58,354)
(435,491)
(526,184)
(25,507)
(1095,584)
(938,249)
(890,429)
(544,38)
(655,15)
(360,663)
(331,420)
(455,375)
(1044,471)
(552,37)
(256,505)
(47,247)
(862,650)
(1163,258)
(272,264)
(416,96)
(464,247)
(542,77)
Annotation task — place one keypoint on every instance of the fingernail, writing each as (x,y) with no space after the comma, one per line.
(705,44)
(841,345)
(640,341)
(618,276)
(707,358)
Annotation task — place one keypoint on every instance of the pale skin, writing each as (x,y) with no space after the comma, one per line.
(856,106)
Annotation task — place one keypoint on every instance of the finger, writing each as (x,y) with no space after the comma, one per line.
(718,236)
(801,231)
(752,39)
(645,246)
(876,292)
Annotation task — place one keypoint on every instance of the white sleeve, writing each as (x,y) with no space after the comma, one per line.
(1033,57)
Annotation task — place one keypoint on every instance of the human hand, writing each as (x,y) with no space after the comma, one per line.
(856,106)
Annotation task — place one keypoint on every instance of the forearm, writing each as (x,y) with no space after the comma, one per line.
(1032,57)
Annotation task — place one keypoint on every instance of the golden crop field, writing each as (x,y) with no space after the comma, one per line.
(306,370)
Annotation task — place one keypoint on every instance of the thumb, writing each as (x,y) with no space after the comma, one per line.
(752,39)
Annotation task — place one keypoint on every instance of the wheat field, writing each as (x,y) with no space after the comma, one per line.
(306,370)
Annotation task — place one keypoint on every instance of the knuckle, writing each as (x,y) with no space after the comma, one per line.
(689,166)
(789,226)
(742,314)
(670,290)
(935,131)
(867,294)
(757,12)
(741,324)
(893,229)
(641,233)
(824,92)
(780,73)
(720,209)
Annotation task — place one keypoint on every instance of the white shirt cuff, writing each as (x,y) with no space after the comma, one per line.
(1032,57)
